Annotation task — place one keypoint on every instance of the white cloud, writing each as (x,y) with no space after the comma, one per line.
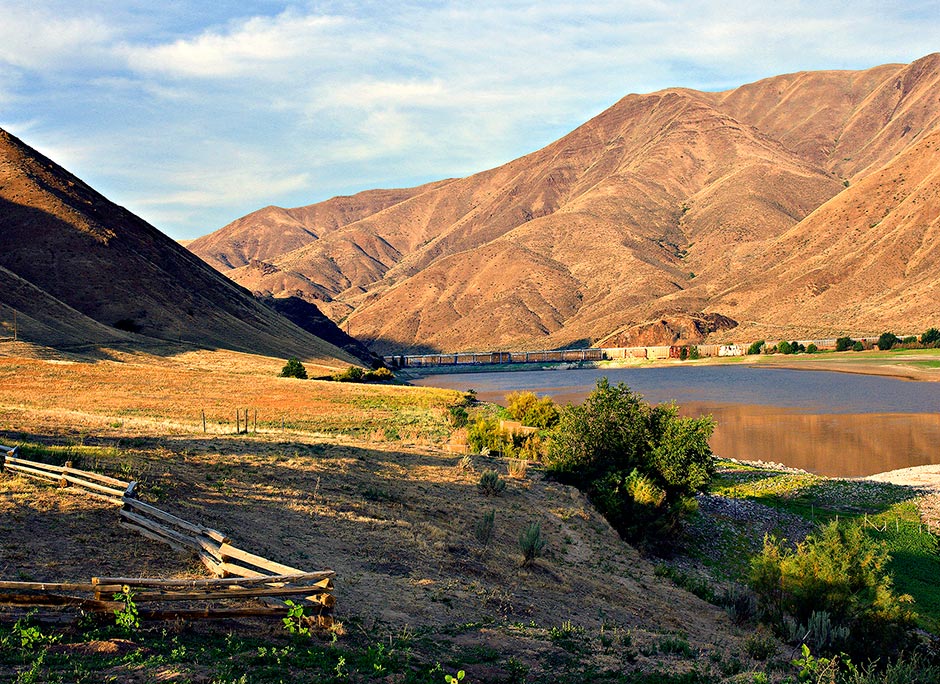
(184,111)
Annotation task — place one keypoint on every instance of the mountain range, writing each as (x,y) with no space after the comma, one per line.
(802,205)
(80,274)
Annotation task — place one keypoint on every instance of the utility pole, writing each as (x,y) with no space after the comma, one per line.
(14,325)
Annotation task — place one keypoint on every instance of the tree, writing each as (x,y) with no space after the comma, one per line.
(528,409)
(858,346)
(844,343)
(294,369)
(639,464)
(887,340)
(811,348)
(755,347)
(931,336)
(785,347)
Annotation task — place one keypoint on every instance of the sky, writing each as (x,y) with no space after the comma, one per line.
(192,113)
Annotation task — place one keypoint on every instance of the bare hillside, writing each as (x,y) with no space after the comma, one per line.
(672,203)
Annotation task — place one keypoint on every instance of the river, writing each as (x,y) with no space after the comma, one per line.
(835,424)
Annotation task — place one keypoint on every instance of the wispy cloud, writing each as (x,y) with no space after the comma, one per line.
(192,113)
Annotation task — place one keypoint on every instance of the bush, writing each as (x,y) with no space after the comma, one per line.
(294,369)
(811,348)
(785,347)
(844,343)
(529,410)
(930,337)
(693,353)
(382,374)
(756,347)
(483,530)
(887,340)
(858,346)
(842,572)
(639,464)
(909,340)
(485,435)
(491,484)
(351,374)
(531,544)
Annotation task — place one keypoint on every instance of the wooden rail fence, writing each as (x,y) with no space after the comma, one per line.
(240,575)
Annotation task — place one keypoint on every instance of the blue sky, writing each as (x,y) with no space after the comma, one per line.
(194,113)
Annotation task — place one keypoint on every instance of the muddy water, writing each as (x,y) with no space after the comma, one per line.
(828,423)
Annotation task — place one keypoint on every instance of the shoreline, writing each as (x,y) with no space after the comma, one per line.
(858,365)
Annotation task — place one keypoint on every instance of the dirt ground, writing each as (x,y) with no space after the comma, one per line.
(395,518)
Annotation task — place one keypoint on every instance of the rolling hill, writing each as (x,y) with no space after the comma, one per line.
(803,204)
(82,273)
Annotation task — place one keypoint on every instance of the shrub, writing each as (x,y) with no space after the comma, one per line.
(485,434)
(458,416)
(638,464)
(483,530)
(683,353)
(844,343)
(842,572)
(294,369)
(491,484)
(756,347)
(909,340)
(351,374)
(693,353)
(858,346)
(382,374)
(811,348)
(529,410)
(887,340)
(785,347)
(930,337)
(517,467)
(531,544)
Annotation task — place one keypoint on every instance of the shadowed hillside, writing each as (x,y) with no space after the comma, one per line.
(82,272)
(672,203)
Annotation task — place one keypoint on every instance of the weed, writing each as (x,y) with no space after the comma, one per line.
(491,484)
(296,621)
(483,530)
(675,644)
(517,467)
(126,617)
(455,679)
(531,543)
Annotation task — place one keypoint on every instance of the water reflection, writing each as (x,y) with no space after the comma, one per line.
(835,444)
(828,423)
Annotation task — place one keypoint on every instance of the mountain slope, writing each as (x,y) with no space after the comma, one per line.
(674,202)
(96,274)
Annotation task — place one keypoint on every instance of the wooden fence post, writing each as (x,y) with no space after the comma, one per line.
(238,421)
(63,482)
(203,421)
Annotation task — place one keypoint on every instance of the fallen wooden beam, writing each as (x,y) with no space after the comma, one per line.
(175,520)
(266,579)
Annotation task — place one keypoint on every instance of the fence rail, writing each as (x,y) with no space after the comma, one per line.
(240,574)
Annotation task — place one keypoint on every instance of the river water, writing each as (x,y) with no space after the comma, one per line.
(836,424)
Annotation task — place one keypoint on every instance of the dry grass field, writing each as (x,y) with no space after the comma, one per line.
(357,481)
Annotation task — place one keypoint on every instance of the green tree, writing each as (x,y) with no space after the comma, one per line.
(755,347)
(294,369)
(530,410)
(785,347)
(639,464)
(930,337)
(887,340)
(811,348)
(844,343)
(858,346)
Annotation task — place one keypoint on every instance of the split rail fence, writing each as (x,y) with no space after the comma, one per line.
(239,574)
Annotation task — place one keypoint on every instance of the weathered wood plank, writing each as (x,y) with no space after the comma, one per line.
(157,528)
(153,535)
(229,551)
(98,477)
(231,581)
(229,593)
(84,484)
(175,520)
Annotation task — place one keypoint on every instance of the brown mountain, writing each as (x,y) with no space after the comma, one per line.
(752,203)
(81,272)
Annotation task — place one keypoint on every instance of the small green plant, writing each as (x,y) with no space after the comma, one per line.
(126,617)
(29,636)
(455,679)
(458,416)
(531,543)
(516,468)
(483,530)
(491,484)
(294,369)
(295,622)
